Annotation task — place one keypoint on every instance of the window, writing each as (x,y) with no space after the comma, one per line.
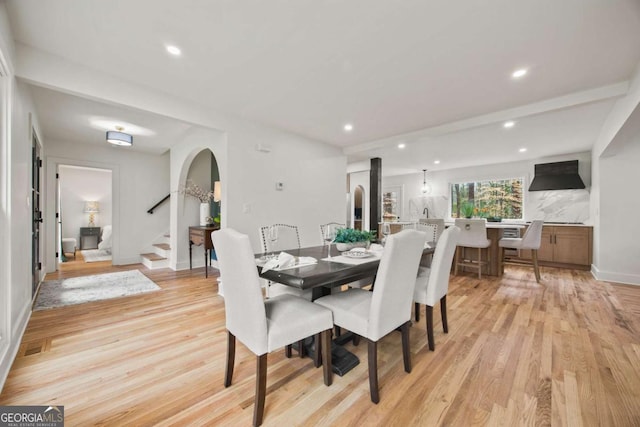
(488,199)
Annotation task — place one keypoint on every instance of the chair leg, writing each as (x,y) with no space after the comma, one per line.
(443,313)
(417,312)
(373,371)
(316,354)
(337,330)
(326,357)
(301,349)
(261,389)
(536,269)
(231,356)
(287,351)
(429,316)
(406,352)
(456,261)
(356,339)
(500,261)
(479,263)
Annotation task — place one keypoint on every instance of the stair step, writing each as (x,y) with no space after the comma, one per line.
(153,257)
(163,246)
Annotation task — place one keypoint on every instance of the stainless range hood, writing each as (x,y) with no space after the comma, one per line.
(556,176)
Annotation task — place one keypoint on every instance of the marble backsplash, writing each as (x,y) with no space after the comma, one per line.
(558,205)
(551,206)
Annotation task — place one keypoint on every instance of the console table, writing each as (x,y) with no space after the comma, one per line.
(201,235)
(89,237)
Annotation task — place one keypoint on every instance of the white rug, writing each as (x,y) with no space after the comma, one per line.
(95,255)
(78,290)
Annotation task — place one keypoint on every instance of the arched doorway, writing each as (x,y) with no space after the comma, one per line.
(358,207)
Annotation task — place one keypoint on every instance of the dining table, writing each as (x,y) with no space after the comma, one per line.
(324,275)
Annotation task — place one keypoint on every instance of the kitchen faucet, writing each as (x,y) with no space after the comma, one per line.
(425,211)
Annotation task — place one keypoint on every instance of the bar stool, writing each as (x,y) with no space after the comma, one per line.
(531,240)
(473,234)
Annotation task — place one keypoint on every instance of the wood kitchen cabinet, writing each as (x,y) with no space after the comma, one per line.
(564,246)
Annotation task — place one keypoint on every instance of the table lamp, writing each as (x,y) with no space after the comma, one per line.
(92,208)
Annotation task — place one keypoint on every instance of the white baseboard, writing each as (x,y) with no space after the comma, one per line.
(14,344)
(608,276)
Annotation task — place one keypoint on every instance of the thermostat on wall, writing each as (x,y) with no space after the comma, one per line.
(279,186)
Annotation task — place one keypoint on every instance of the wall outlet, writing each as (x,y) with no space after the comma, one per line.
(279,186)
(246,208)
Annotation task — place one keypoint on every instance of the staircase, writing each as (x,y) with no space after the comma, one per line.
(159,258)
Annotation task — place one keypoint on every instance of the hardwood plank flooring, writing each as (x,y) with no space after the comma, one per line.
(565,351)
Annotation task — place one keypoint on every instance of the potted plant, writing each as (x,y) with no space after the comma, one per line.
(467,209)
(349,238)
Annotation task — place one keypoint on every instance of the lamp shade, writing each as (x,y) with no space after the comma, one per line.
(91,207)
(217,191)
(119,138)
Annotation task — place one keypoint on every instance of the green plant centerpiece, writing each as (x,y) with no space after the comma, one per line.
(467,209)
(349,238)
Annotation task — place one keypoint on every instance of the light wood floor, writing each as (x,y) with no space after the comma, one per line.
(563,352)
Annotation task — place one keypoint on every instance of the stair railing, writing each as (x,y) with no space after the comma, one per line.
(150,211)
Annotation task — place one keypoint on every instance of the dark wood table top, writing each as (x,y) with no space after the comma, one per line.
(324,272)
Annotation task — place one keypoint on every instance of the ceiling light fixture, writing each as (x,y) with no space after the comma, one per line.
(522,150)
(117,137)
(509,124)
(426,188)
(436,162)
(519,73)
(348,127)
(402,145)
(174,50)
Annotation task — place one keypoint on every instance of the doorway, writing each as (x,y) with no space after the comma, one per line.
(358,203)
(36,212)
(84,204)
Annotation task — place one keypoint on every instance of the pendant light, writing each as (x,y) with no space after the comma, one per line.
(426,188)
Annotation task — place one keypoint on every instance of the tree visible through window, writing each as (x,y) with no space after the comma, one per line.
(487,199)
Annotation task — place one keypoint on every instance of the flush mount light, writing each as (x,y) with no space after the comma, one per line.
(118,137)
(509,124)
(436,162)
(402,145)
(519,73)
(348,127)
(522,150)
(174,50)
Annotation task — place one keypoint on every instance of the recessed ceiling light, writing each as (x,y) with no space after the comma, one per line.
(402,145)
(522,150)
(509,124)
(519,73)
(174,50)
(348,127)
(437,162)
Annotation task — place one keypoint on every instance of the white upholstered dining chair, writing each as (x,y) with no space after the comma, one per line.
(373,315)
(473,234)
(438,222)
(263,326)
(432,284)
(531,240)
(288,238)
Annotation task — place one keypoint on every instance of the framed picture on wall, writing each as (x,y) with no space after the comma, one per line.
(392,203)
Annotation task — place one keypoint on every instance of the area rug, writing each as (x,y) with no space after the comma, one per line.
(95,255)
(78,290)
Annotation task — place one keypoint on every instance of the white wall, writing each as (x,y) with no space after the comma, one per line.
(138,182)
(15,203)
(312,173)
(561,205)
(78,185)
(615,159)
